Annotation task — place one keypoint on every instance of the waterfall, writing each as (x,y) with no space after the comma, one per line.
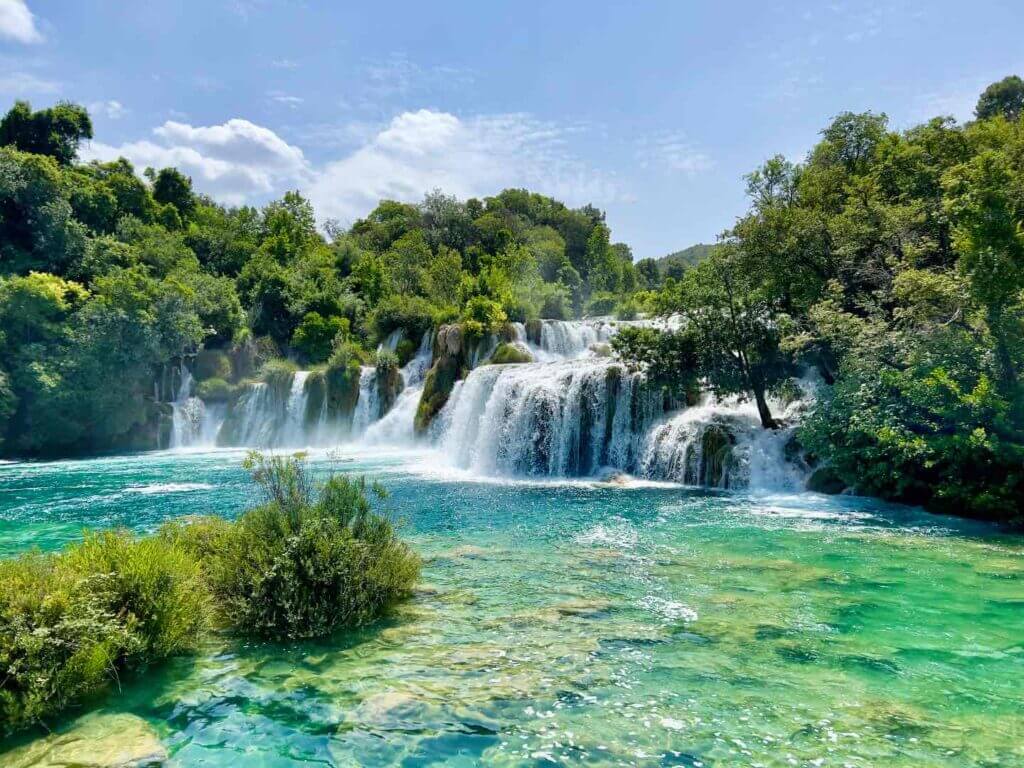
(294,431)
(574,412)
(721,443)
(564,339)
(193,422)
(558,419)
(368,405)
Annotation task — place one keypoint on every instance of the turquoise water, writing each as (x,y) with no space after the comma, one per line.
(580,623)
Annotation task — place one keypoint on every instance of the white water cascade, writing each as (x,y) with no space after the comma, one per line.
(568,418)
(573,412)
(193,422)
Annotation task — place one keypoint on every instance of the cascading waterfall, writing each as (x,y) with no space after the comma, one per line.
(573,412)
(562,339)
(556,419)
(193,422)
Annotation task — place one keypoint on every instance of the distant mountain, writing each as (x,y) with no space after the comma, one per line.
(684,259)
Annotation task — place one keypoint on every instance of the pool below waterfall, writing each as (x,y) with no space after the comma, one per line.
(580,622)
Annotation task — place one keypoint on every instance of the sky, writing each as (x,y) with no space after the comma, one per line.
(653,111)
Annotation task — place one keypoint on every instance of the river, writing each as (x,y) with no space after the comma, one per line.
(579,622)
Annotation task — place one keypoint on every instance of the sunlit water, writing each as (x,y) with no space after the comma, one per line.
(590,624)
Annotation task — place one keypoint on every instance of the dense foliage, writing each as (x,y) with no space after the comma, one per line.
(105,269)
(892,263)
(306,562)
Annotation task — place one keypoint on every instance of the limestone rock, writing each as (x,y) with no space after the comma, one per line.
(94,741)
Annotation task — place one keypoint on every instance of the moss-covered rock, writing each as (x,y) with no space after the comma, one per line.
(510,354)
(534,330)
(342,389)
(449,341)
(389,381)
(716,456)
(437,388)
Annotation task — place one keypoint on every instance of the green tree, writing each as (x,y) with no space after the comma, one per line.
(171,187)
(55,132)
(1005,98)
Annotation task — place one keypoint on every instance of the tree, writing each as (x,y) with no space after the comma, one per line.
(736,327)
(171,187)
(55,132)
(989,213)
(1005,98)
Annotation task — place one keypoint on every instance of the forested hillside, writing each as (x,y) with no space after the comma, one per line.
(892,265)
(887,265)
(109,274)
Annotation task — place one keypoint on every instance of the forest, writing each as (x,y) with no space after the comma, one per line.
(888,266)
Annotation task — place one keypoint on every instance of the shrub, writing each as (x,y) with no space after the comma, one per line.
(627,309)
(70,622)
(601,303)
(307,561)
(412,314)
(215,391)
(483,313)
(556,306)
(212,364)
(315,336)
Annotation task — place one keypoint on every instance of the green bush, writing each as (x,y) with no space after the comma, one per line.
(412,314)
(71,622)
(601,303)
(307,561)
(212,364)
(483,313)
(315,336)
(627,309)
(215,391)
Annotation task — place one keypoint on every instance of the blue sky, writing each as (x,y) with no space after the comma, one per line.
(651,110)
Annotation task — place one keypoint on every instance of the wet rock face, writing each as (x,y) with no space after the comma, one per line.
(437,387)
(94,741)
(389,386)
(449,341)
(534,331)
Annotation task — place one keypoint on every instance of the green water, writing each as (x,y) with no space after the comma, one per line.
(592,625)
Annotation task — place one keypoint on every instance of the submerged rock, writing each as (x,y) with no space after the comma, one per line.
(94,741)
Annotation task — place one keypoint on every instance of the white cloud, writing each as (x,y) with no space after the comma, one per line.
(420,151)
(673,152)
(237,161)
(26,84)
(112,109)
(17,22)
(287,100)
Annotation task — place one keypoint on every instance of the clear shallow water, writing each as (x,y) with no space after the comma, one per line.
(580,623)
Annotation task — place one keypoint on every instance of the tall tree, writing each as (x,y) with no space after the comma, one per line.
(1005,98)
(56,131)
